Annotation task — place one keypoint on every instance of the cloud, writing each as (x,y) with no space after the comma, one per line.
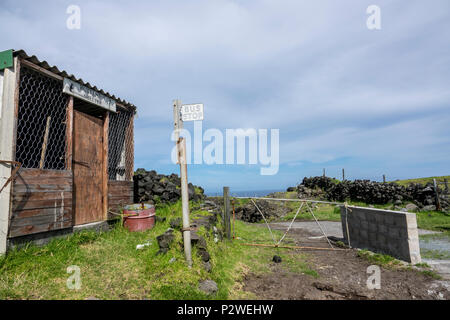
(312,69)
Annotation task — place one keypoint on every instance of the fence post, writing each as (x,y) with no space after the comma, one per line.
(324,172)
(384,178)
(343,174)
(226,211)
(438,202)
(446,185)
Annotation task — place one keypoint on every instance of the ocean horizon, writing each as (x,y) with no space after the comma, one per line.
(246,193)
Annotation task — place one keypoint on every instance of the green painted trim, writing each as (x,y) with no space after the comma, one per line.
(6,59)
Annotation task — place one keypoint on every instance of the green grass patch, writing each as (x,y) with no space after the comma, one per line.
(323,212)
(112,268)
(379,259)
(431,274)
(421,180)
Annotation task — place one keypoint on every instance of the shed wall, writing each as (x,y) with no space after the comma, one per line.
(41,201)
(120,193)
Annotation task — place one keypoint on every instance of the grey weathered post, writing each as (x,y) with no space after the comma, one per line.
(9,81)
(181,149)
(343,174)
(446,185)
(324,172)
(438,202)
(384,178)
(226,211)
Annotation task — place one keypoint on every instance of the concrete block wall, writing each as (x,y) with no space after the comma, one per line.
(384,231)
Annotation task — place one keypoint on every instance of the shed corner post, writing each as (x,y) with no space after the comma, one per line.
(8,108)
(105,165)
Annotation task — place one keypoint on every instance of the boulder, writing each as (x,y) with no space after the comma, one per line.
(411,207)
(165,240)
(176,223)
(208,286)
(429,208)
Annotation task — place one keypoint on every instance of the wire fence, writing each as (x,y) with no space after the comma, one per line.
(120,145)
(41,122)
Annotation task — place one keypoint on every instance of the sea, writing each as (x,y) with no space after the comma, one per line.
(253,193)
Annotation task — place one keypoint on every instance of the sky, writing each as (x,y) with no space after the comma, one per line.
(342,96)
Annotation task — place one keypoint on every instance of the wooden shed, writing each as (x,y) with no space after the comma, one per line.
(66,152)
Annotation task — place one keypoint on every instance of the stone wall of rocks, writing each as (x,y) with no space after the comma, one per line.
(149,186)
(390,232)
(371,192)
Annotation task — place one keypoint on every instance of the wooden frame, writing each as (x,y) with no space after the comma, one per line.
(105,165)
(69,133)
(8,124)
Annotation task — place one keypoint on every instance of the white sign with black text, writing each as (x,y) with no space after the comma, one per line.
(192,112)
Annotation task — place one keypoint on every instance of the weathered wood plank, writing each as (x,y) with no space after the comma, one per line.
(29,172)
(69,132)
(58,216)
(7,121)
(105,166)
(41,188)
(27,196)
(41,201)
(44,181)
(16,231)
(118,182)
(40,204)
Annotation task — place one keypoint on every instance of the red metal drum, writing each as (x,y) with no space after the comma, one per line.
(139,217)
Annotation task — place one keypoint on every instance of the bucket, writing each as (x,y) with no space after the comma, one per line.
(139,217)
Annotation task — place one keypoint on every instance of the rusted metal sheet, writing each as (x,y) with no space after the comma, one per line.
(54,72)
(41,201)
(87,168)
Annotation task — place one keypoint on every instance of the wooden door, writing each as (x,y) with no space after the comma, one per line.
(87,168)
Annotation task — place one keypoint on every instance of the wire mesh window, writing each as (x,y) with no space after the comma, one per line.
(41,127)
(120,145)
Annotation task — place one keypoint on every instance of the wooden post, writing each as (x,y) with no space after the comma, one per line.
(234,220)
(105,165)
(8,109)
(226,211)
(384,178)
(446,185)
(324,172)
(343,174)
(44,143)
(69,133)
(181,148)
(436,192)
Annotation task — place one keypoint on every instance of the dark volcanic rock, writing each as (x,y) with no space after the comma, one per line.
(152,187)
(176,223)
(276,259)
(164,241)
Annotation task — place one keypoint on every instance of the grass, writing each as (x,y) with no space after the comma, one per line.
(379,259)
(322,212)
(112,268)
(421,180)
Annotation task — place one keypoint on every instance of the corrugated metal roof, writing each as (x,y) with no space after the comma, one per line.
(44,64)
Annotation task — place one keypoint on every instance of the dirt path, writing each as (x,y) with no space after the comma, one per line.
(342,275)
